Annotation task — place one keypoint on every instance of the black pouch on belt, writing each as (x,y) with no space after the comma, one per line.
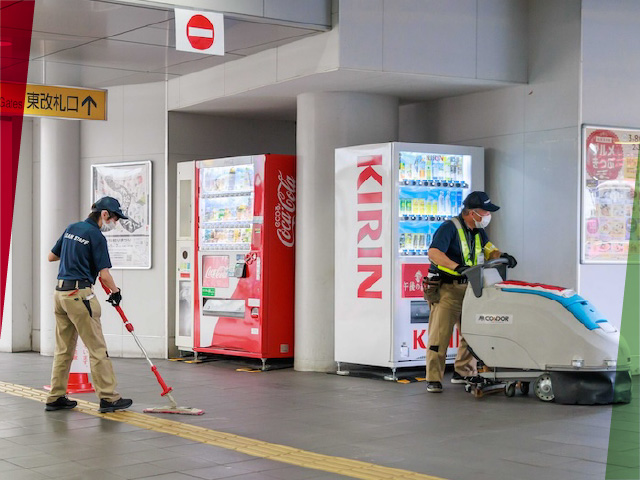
(88,305)
(431,288)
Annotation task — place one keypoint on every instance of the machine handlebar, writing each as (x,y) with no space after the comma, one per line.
(474,274)
(495,263)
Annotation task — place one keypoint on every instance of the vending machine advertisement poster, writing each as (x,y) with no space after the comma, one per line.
(412,275)
(610,164)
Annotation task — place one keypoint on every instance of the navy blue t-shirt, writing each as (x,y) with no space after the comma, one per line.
(83,252)
(446,240)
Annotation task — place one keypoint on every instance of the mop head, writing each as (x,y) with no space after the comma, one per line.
(175,409)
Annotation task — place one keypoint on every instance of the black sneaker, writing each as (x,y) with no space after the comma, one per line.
(457,378)
(434,387)
(61,403)
(119,404)
(474,379)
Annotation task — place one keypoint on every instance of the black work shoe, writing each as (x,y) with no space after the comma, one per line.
(119,404)
(434,387)
(474,379)
(457,378)
(61,403)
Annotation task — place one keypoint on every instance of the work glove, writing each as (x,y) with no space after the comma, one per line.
(115,298)
(511,259)
(461,269)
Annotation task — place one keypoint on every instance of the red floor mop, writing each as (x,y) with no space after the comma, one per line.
(166,390)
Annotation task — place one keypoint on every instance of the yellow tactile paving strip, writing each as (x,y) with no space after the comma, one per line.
(249,446)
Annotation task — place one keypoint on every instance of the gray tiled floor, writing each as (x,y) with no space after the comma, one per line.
(390,424)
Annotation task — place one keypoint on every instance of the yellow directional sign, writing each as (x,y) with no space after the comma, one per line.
(52,101)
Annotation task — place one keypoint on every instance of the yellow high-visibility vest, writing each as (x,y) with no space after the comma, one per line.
(464,246)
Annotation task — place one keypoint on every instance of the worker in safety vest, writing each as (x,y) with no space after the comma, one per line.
(458,244)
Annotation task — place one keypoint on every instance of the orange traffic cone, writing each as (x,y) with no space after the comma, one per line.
(79,372)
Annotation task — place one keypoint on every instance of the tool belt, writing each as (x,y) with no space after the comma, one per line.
(431,288)
(66,285)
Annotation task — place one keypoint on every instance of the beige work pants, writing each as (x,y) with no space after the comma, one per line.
(445,314)
(73,318)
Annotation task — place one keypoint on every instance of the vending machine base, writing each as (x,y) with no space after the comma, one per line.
(401,374)
(267,363)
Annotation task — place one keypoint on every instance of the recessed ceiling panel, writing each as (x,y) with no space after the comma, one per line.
(43,44)
(165,37)
(93,18)
(123,55)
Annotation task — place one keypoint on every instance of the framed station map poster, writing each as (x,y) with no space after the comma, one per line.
(130,183)
(609,169)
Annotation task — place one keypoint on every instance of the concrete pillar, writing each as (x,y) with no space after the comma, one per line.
(59,206)
(326,121)
(18,302)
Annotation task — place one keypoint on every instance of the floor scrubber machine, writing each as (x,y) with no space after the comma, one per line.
(547,336)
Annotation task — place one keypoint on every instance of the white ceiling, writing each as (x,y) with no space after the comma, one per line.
(101,43)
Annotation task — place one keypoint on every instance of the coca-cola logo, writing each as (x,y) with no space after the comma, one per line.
(215,270)
(285,211)
(219,272)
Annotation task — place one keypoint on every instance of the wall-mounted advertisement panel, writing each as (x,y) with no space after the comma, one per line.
(609,168)
(130,183)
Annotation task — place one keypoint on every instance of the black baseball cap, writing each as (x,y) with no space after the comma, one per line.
(480,200)
(110,204)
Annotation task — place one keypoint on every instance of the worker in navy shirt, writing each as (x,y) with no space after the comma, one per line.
(457,244)
(83,254)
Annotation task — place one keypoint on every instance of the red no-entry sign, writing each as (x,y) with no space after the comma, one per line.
(201,32)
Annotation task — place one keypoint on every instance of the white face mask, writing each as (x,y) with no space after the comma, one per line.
(484,220)
(107,226)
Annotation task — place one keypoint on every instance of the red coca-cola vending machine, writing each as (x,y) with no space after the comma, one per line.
(244,272)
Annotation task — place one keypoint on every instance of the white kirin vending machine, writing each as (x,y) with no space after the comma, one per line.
(244,268)
(390,199)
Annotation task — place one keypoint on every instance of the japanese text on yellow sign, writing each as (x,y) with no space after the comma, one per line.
(52,101)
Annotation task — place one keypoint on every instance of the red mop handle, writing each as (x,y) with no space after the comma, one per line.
(165,388)
(127,325)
